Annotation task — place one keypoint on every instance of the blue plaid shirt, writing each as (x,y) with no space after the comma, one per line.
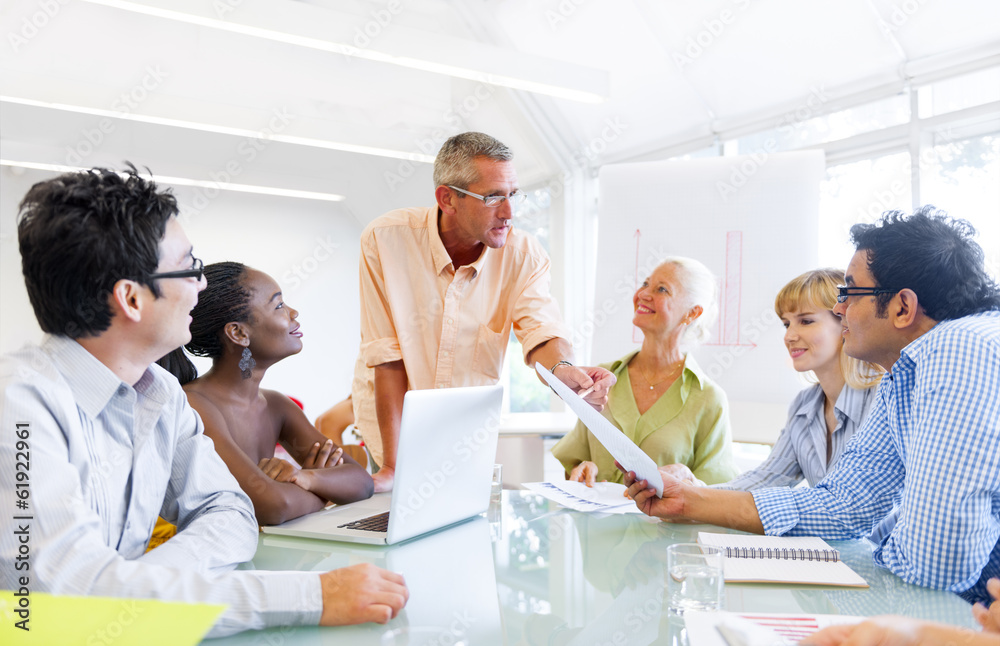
(922,476)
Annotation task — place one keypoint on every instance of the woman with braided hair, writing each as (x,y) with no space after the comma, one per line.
(243,324)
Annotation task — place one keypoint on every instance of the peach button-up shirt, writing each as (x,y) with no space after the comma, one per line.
(449,327)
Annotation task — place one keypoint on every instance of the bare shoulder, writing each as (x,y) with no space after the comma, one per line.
(280,403)
(211,413)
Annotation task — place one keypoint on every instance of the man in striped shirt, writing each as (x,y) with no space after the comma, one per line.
(922,476)
(106,440)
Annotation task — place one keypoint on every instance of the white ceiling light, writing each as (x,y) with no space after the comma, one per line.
(184,181)
(435,53)
(225,130)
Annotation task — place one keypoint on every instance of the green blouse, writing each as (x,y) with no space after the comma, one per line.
(688,424)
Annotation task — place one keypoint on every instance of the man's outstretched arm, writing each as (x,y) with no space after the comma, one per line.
(689,503)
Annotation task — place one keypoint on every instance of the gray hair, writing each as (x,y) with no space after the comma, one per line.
(453,165)
(700,288)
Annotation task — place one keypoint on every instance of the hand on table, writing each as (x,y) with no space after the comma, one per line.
(585,472)
(361,593)
(888,630)
(903,631)
(989,619)
(383,479)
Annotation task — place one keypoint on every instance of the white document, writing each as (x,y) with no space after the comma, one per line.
(623,449)
(607,497)
(756,629)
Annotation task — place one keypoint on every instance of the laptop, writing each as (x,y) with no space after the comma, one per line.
(444,468)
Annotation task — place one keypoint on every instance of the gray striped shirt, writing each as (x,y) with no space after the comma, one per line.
(104,459)
(800,451)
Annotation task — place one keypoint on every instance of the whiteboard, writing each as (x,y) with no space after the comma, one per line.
(753,221)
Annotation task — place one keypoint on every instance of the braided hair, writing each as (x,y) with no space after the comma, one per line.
(226,299)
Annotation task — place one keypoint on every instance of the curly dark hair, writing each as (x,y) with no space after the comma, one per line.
(932,254)
(226,299)
(82,232)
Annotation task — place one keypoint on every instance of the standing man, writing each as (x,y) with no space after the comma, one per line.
(441,288)
(105,439)
(922,476)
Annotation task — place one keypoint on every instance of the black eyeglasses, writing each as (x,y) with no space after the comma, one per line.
(196,271)
(843,291)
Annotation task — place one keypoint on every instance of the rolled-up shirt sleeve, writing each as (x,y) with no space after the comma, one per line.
(536,316)
(379,343)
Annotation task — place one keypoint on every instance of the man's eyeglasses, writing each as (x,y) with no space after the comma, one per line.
(515,199)
(197,271)
(843,291)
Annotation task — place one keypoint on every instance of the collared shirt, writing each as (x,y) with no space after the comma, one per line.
(801,447)
(104,458)
(688,424)
(449,326)
(924,469)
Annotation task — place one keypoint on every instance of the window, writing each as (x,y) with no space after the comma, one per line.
(798,128)
(524,393)
(859,192)
(963,177)
(960,92)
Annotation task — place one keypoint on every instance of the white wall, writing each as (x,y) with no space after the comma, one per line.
(310,247)
(753,223)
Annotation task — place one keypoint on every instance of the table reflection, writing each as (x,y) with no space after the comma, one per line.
(530,572)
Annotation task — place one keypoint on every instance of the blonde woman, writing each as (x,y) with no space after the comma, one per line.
(823,417)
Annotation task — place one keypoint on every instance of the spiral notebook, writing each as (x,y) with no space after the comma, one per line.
(805,560)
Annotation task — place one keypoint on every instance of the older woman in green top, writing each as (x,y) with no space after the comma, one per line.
(663,401)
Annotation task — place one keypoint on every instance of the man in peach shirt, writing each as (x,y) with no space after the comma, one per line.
(441,288)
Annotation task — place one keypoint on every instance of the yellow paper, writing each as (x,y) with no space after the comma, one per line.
(99,621)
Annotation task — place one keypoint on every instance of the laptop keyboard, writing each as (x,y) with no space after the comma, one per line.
(377,523)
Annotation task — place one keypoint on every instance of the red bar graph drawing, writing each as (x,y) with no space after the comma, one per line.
(731,294)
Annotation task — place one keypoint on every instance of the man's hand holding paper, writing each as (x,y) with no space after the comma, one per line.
(668,500)
(592,384)
(623,449)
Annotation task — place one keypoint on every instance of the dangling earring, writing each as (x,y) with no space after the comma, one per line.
(247,363)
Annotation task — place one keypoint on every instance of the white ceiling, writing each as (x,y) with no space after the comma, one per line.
(673,75)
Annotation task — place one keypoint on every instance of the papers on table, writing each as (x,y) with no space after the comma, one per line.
(623,449)
(607,497)
(56,619)
(755,629)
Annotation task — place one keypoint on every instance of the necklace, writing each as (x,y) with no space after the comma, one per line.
(653,384)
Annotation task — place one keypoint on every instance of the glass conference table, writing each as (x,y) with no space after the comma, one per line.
(532,572)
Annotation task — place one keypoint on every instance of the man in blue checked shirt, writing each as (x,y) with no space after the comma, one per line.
(922,476)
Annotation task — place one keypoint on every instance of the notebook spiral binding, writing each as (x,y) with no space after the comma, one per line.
(782,553)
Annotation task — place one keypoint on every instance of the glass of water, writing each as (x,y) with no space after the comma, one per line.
(696,577)
(496,487)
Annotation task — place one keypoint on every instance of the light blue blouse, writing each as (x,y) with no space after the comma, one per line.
(800,451)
